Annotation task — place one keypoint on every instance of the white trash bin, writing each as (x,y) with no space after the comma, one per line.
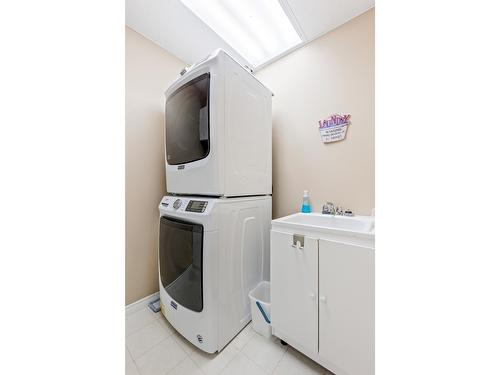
(260,300)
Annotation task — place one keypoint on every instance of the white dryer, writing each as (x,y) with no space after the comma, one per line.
(218,131)
(212,252)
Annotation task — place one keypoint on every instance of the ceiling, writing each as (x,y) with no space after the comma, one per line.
(175,28)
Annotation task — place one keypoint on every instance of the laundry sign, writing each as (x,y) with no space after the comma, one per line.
(334,128)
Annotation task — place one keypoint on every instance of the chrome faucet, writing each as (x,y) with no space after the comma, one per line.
(330,209)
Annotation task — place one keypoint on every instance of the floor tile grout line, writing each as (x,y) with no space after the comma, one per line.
(244,346)
(180,362)
(255,363)
(227,364)
(169,334)
(147,325)
(188,354)
(132,360)
(141,310)
(138,329)
(135,365)
(274,368)
(281,359)
(147,351)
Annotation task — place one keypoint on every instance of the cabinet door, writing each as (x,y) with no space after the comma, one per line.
(294,289)
(346,306)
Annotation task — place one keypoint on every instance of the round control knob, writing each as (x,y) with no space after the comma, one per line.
(177,203)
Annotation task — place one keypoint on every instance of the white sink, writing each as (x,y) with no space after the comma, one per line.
(356,224)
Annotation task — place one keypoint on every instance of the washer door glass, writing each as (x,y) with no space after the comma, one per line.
(180,256)
(187,122)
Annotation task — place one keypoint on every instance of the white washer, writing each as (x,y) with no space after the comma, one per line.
(212,252)
(218,126)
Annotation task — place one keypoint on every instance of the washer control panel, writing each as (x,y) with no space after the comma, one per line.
(177,204)
(181,204)
(196,206)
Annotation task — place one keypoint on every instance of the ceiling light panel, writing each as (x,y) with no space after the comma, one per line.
(257,29)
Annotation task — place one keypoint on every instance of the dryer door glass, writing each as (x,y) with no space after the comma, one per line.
(187,122)
(181,254)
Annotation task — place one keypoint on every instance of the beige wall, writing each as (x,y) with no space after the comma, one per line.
(333,74)
(149,70)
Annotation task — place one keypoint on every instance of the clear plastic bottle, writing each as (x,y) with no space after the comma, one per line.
(306,207)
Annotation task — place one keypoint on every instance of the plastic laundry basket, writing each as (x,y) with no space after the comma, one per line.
(260,300)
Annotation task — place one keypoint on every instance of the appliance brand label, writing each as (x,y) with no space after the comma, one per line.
(173,304)
(181,167)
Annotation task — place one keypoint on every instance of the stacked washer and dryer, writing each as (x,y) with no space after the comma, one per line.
(215,220)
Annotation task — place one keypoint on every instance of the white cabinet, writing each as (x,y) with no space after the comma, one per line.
(322,297)
(346,306)
(294,291)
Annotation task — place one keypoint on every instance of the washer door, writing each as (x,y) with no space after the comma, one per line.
(180,257)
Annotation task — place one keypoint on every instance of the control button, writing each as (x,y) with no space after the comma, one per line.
(177,203)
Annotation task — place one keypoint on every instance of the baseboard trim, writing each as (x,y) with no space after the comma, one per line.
(140,304)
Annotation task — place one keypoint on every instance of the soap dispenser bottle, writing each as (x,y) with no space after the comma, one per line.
(306,207)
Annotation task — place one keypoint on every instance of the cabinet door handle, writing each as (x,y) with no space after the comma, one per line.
(322,299)
(298,241)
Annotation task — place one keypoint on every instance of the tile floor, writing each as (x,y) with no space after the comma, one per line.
(153,347)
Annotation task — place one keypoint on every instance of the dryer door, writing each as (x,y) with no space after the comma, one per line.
(187,135)
(180,257)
